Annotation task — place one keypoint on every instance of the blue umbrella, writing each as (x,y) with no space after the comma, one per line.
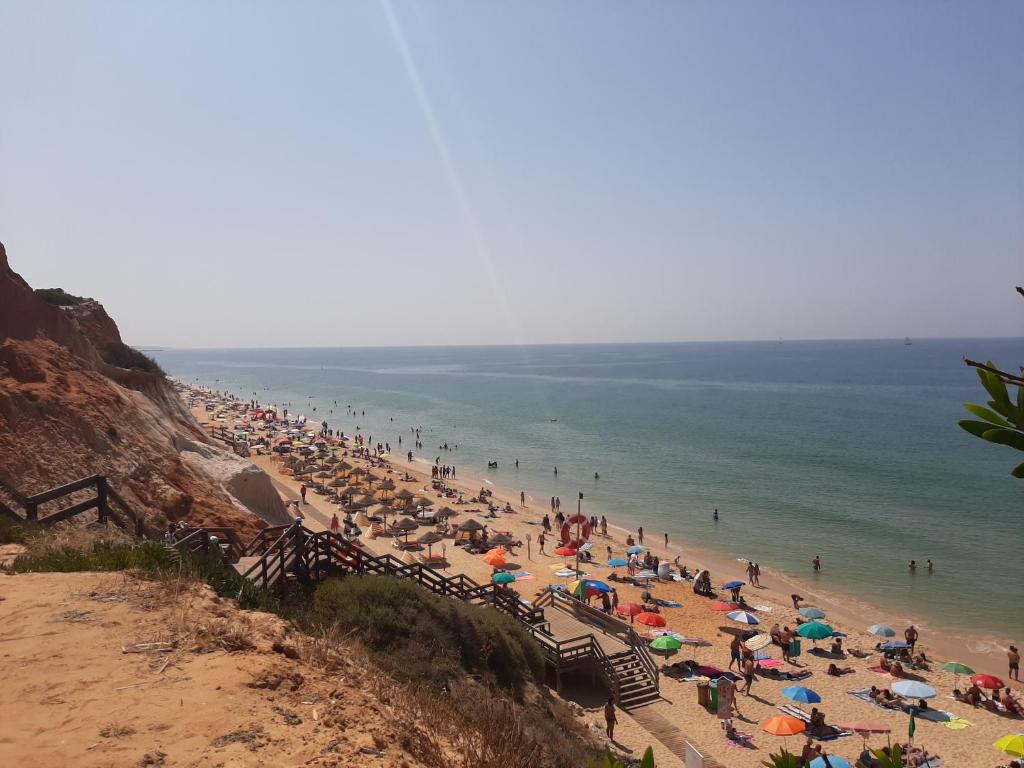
(616,562)
(599,586)
(743,617)
(882,630)
(812,613)
(834,760)
(801,694)
(636,550)
(894,645)
(734,584)
(911,689)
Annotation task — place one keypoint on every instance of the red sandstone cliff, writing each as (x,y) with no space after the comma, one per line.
(65,413)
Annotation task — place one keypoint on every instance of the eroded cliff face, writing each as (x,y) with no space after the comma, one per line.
(64,414)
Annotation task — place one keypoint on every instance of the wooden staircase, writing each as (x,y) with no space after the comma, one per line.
(88,493)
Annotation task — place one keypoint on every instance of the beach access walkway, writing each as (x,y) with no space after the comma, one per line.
(572,636)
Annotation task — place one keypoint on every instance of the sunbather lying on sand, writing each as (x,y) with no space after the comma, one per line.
(884,698)
(835,671)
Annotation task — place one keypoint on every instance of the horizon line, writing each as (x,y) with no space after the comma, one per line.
(780,341)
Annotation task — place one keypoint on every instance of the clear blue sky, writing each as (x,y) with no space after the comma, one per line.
(363,173)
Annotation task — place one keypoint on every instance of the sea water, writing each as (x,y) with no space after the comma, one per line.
(848,449)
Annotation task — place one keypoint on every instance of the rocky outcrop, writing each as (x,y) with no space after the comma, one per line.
(64,414)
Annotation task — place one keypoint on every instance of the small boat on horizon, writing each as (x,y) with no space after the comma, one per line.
(906,341)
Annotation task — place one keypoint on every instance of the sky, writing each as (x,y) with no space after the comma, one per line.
(461,172)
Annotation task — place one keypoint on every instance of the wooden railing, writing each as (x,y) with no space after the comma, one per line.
(106,501)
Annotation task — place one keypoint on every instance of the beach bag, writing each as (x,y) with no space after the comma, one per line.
(794,648)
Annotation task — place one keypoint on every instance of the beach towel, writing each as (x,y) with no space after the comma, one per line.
(958,724)
(667,603)
(523,576)
(933,715)
(879,671)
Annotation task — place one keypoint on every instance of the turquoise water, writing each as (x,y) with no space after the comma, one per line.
(848,449)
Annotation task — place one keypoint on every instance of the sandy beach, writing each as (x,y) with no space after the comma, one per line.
(967,744)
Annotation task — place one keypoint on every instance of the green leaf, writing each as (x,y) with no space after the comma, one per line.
(1007,409)
(976,428)
(984,413)
(648,759)
(1009,437)
(1019,471)
(995,386)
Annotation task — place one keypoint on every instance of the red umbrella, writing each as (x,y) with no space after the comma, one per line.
(718,605)
(991,682)
(565,551)
(630,609)
(650,619)
(573,519)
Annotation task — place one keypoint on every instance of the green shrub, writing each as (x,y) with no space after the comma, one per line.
(120,354)
(58,297)
(14,531)
(419,635)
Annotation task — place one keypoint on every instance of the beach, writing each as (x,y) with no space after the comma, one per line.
(966,745)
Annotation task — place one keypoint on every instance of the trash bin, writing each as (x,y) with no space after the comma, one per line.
(713,696)
(704,694)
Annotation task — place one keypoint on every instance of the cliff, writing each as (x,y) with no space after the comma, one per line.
(65,413)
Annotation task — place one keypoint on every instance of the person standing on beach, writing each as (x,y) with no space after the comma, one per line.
(734,653)
(522,498)
(335,524)
(302,492)
(666,541)
(816,562)
(640,535)
(540,542)
(757,574)
(748,674)
(609,718)
(604,526)
(750,571)
(1014,656)
(552,505)
(910,634)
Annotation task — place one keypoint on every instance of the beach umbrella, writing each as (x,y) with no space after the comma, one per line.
(503,578)
(501,538)
(834,761)
(814,630)
(494,558)
(597,586)
(424,502)
(405,525)
(565,551)
(956,668)
(801,694)
(734,584)
(882,630)
(430,538)
(445,512)
(617,562)
(757,642)
(666,643)
(991,682)
(636,550)
(782,725)
(405,494)
(1011,745)
(812,613)
(471,525)
(722,607)
(564,572)
(911,689)
(742,617)
(630,609)
(651,619)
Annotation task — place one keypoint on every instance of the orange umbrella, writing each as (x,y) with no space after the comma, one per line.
(494,559)
(650,619)
(497,551)
(781,725)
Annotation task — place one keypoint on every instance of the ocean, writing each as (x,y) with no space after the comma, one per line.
(845,449)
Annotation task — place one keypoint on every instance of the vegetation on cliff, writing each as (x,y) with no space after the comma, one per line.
(58,297)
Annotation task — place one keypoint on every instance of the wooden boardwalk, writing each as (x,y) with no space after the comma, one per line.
(668,734)
(566,627)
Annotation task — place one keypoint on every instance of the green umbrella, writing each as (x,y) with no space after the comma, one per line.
(503,578)
(814,630)
(666,643)
(956,668)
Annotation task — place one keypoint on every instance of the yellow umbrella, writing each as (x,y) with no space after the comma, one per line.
(1011,745)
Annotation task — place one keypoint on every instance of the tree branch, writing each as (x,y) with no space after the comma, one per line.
(1009,378)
